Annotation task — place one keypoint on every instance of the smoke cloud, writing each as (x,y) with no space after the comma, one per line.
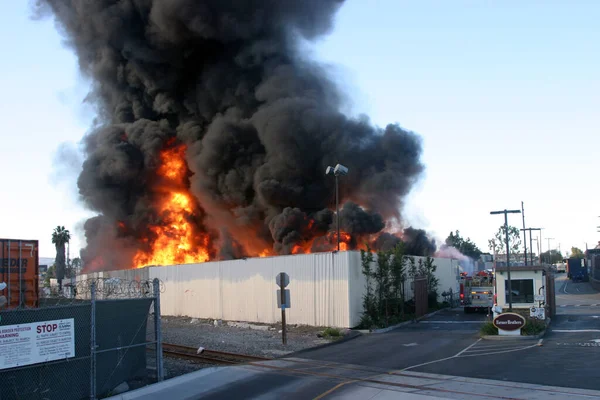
(260,122)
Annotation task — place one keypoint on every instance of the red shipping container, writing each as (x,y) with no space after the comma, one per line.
(19,269)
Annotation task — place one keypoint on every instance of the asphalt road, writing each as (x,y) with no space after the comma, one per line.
(446,344)
(575,298)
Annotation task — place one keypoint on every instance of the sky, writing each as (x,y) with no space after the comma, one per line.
(505,95)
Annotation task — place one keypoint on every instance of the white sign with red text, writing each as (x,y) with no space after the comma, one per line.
(26,344)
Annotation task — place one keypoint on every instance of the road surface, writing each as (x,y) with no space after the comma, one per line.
(440,357)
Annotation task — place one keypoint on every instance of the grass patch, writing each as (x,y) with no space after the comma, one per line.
(488,328)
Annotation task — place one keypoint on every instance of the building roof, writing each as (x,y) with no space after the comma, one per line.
(522,268)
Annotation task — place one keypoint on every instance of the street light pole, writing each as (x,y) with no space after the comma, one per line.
(524,232)
(549,239)
(531,239)
(337,211)
(506,212)
(338,171)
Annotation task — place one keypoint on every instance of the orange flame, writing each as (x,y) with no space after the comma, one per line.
(176,241)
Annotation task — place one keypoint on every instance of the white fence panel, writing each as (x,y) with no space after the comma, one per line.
(245,290)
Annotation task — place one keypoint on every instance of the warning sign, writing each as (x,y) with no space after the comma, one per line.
(37,342)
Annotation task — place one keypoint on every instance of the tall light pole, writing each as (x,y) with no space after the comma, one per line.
(549,239)
(506,212)
(531,239)
(537,243)
(524,232)
(339,170)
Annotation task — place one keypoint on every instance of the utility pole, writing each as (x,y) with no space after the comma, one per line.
(541,246)
(549,239)
(537,244)
(531,239)
(506,212)
(524,232)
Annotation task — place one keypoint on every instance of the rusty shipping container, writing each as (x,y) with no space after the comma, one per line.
(19,269)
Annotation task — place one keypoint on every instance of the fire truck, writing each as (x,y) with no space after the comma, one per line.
(477,291)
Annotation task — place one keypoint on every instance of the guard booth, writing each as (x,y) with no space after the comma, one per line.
(532,289)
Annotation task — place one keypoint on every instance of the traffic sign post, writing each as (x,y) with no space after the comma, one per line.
(283,301)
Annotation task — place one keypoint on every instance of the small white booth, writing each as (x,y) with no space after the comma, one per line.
(528,294)
(527,284)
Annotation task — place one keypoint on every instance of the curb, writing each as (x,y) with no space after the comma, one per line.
(401,324)
(522,337)
(350,336)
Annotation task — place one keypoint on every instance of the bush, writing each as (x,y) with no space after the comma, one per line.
(333,332)
(488,328)
(533,327)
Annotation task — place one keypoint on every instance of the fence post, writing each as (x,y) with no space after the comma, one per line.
(93,343)
(157,332)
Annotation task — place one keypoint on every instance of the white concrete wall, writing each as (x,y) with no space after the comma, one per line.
(245,290)
(538,282)
(326,288)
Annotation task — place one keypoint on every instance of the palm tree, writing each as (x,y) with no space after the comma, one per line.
(60,237)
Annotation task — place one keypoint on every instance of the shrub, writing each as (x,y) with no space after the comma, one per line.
(332,333)
(488,328)
(533,327)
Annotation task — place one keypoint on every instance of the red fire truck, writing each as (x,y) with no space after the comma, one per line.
(477,291)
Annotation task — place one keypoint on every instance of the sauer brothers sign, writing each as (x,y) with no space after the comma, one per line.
(509,321)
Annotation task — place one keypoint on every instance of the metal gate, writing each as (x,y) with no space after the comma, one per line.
(550,295)
(421,306)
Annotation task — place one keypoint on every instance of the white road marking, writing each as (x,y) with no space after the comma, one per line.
(442,359)
(539,343)
(565,288)
(478,351)
(410,344)
(467,348)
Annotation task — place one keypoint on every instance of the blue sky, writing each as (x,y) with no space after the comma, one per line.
(505,95)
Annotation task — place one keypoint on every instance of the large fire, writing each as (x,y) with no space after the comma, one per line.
(175,240)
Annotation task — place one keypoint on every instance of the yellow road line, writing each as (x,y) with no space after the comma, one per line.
(333,389)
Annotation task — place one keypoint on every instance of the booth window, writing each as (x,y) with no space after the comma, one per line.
(522,290)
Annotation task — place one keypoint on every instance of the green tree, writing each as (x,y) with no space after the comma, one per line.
(50,273)
(552,256)
(498,243)
(383,302)
(576,253)
(60,237)
(428,269)
(465,246)
(76,265)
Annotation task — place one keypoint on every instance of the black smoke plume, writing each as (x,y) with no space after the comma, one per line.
(260,122)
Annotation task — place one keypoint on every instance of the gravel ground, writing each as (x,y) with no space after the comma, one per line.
(258,340)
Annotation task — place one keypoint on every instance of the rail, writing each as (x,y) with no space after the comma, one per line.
(208,356)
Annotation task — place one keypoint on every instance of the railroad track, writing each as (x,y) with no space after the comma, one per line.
(208,356)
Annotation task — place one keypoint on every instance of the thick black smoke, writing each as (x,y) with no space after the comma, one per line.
(417,243)
(260,121)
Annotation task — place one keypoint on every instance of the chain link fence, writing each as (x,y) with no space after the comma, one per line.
(83,343)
